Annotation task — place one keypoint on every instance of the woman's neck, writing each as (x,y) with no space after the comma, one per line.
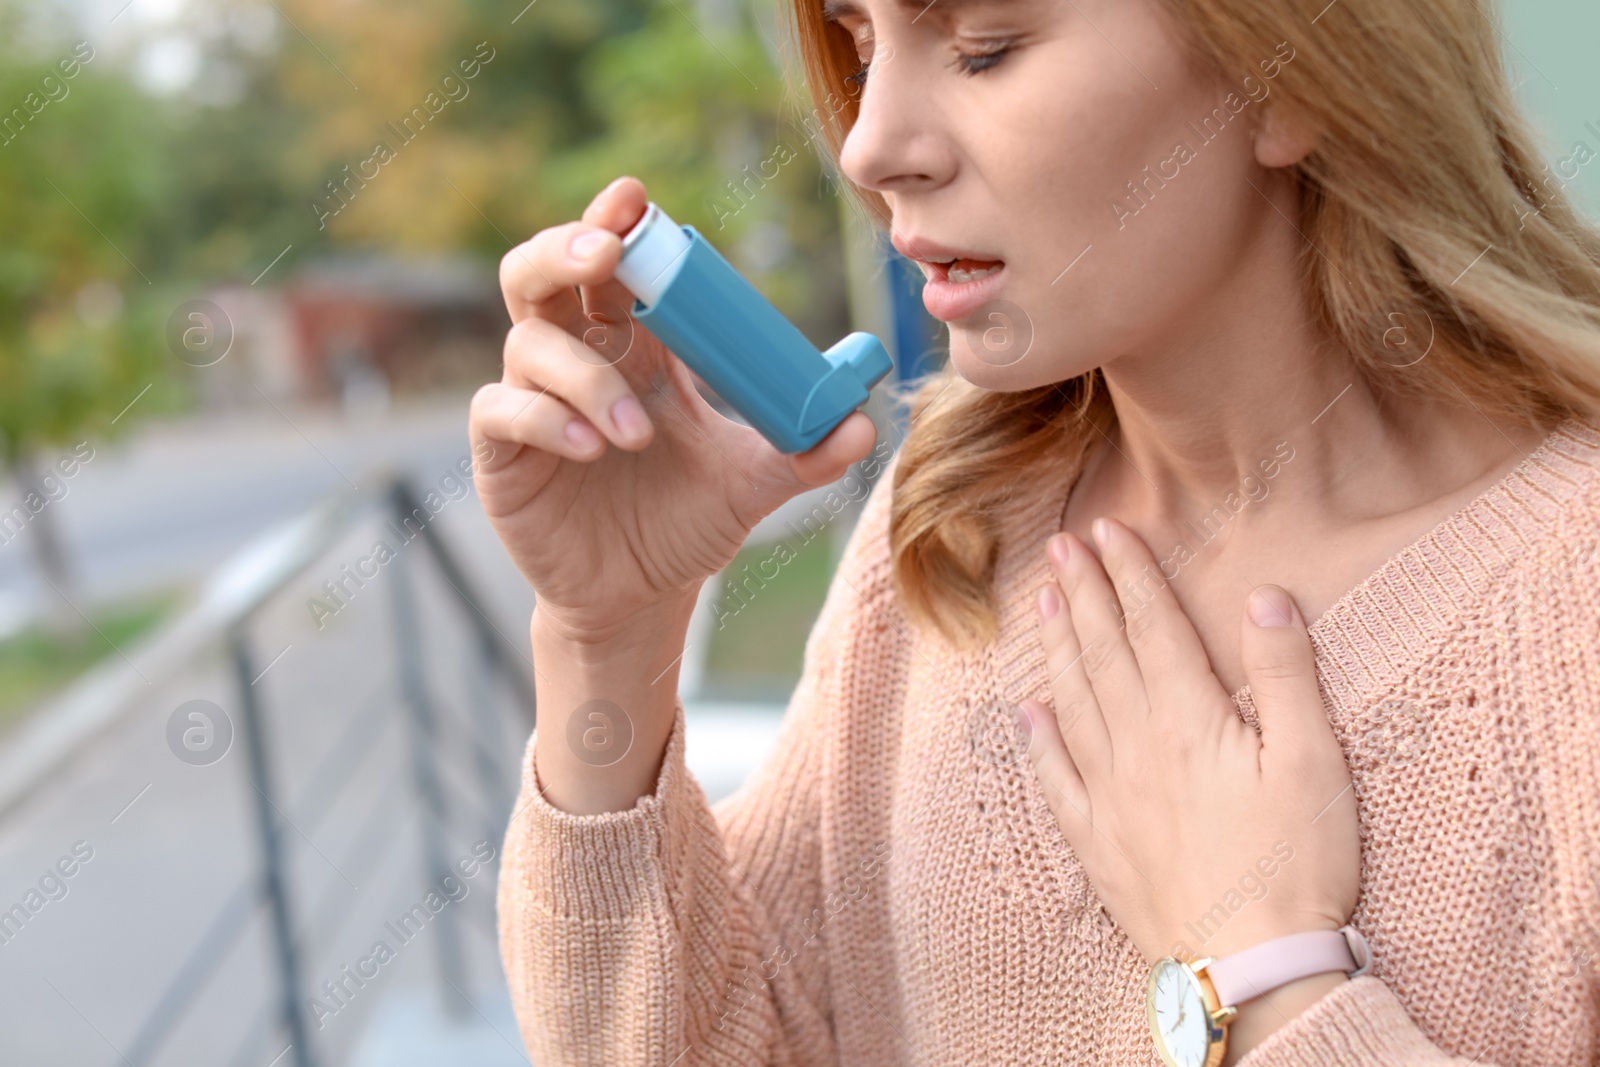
(1188,437)
(1245,372)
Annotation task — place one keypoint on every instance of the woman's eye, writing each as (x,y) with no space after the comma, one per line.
(977,63)
(970,63)
(862,38)
(859,78)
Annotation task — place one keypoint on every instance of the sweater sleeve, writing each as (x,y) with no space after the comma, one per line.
(1359,1024)
(672,933)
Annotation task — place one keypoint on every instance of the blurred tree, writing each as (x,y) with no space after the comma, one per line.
(336,82)
(517,117)
(82,179)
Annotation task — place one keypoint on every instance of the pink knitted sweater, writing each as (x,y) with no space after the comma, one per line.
(890,888)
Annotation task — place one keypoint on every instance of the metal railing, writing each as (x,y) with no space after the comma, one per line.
(224,615)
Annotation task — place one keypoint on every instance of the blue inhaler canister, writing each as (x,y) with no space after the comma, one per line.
(729,334)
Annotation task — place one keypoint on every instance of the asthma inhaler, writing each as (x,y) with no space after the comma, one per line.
(728,333)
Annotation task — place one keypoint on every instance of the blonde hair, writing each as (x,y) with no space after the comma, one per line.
(1425,166)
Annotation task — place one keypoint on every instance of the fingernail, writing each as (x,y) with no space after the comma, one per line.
(1271,606)
(586,244)
(629,418)
(581,435)
(1049,602)
(1060,551)
(1101,529)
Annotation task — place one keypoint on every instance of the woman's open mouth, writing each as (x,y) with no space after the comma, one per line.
(956,288)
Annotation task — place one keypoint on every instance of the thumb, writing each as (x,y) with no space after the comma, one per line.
(777,477)
(827,460)
(1280,667)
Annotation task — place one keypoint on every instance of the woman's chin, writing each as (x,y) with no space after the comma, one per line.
(1007,369)
(989,359)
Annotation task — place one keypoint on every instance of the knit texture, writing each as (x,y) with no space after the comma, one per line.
(891,888)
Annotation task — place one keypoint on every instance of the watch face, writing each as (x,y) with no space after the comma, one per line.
(1178,1016)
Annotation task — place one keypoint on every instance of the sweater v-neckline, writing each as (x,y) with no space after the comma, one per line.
(1364,641)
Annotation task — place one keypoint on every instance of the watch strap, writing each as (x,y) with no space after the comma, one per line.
(1262,968)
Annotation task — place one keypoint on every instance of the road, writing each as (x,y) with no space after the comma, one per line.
(165,505)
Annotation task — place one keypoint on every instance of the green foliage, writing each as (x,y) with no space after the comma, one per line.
(81,191)
(35,662)
(665,97)
(768,604)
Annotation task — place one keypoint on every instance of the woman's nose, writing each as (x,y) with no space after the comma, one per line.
(897,143)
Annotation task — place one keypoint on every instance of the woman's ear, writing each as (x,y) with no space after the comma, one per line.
(1283,139)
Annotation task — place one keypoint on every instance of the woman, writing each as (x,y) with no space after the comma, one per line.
(1279,291)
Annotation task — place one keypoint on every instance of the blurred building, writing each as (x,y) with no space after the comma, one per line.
(356,330)
(419,324)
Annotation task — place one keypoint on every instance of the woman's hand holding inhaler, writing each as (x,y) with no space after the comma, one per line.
(617,490)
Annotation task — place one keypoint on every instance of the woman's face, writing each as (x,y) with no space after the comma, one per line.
(1114,183)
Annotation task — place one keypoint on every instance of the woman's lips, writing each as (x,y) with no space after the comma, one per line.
(948,300)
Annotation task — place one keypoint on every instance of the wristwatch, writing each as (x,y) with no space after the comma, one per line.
(1190,1004)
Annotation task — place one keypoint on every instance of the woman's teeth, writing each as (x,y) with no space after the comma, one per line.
(972,272)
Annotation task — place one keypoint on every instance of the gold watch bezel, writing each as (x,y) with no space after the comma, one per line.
(1218,1015)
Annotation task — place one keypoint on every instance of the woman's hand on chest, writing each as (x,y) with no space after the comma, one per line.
(1199,836)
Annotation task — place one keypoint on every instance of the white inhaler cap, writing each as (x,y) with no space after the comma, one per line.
(652,253)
